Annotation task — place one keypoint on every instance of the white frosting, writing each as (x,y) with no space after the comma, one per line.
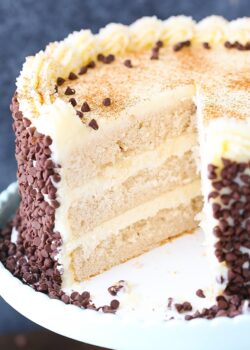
(144,33)
(211,30)
(76,50)
(239,30)
(114,38)
(178,29)
(228,138)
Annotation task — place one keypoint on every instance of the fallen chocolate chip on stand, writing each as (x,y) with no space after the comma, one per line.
(184,307)
(114,304)
(113,290)
(200,293)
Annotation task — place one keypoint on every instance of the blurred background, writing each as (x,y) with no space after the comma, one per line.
(26,26)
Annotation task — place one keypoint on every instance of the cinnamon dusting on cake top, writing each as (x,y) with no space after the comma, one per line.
(76,56)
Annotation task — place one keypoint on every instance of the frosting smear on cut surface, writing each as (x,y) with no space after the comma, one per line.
(119,152)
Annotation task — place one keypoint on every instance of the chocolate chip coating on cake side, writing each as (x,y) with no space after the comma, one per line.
(230,200)
(34,260)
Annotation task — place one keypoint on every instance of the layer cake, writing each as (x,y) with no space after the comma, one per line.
(128,138)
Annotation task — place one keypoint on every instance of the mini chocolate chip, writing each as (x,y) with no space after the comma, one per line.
(106,102)
(200,293)
(181,45)
(72,100)
(83,70)
(72,76)
(91,64)
(85,107)
(60,81)
(93,124)
(228,45)
(206,45)
(155,55)
(128,63)
(170,302)
(65,298)
(100,57)
(113,290)
(69,91)
(114,304)
(109,59)
(159,43)
(79,113)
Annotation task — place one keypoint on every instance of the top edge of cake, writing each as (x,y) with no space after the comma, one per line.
(38,84)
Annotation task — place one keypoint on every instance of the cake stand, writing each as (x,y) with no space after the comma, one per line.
(176,270)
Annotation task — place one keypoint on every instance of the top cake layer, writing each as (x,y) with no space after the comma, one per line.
(125,86)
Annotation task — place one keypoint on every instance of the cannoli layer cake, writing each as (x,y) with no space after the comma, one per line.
(130,137)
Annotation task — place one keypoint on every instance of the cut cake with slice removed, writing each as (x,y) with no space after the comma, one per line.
(110,147)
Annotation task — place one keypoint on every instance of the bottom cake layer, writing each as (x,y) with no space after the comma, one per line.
(136,239)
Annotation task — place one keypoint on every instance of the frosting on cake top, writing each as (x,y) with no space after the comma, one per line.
(37,81)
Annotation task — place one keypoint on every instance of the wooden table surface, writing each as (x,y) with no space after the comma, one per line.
(43,340)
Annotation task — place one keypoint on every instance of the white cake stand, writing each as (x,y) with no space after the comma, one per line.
(176,270)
